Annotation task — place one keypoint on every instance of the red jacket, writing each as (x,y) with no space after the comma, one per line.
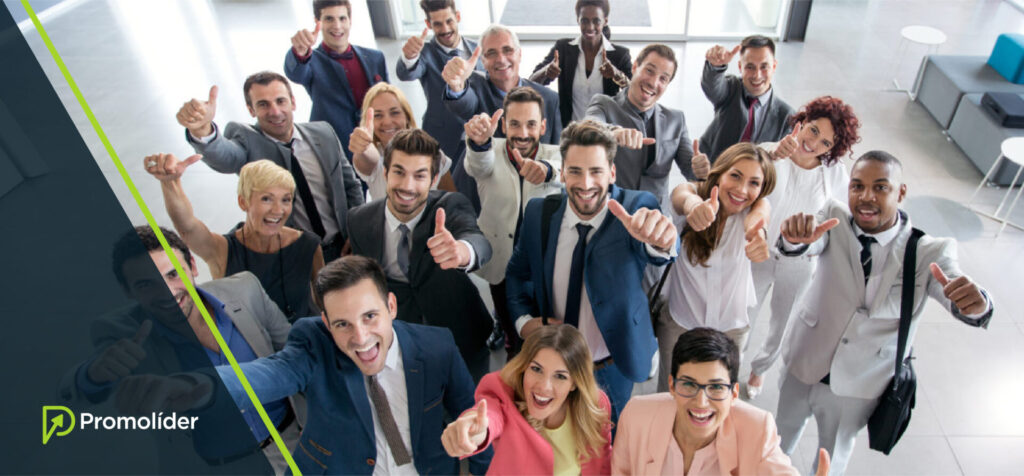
(518,448)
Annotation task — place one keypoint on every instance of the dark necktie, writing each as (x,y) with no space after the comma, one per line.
(649,132)
(305,194)
(403,250)
(575,294)
(387,422)
(865,255)
(748,131)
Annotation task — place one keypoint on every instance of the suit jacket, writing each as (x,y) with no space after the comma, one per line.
(568,60)
(726,94)
(836,332)
(613,272)
(433,296)
(504,195)
(746,443)
(436,120)
(513,438)
(340,435)
(328,88)
(241,144)
(631,169)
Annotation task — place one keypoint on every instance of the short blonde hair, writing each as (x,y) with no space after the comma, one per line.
(381,88)
(262,175)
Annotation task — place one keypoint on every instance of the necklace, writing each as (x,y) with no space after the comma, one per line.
(288,312)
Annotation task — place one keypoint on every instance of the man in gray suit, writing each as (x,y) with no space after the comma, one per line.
(424,60)
(326,185)
(746,109)
(144,349)
(650,136)
(843,338)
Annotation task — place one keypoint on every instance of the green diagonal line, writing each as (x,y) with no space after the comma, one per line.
(163,241)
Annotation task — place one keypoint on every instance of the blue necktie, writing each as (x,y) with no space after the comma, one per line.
(575,295)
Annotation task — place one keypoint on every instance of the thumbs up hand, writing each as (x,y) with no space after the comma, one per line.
(448,252)
(647,226)
(303,40)
(481,127)
(703,215)
(804,229)
(632,138)
(458,70)
(609,71)
(552,70)
(167,167)
(121,358)
(362,136)
(719,56)
(532,170)
(699,162)
(464,436)
(788,145)
(412,47)
(964,294)
(757,243)
(197,116)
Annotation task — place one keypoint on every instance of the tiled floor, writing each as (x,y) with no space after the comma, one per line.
(136,62)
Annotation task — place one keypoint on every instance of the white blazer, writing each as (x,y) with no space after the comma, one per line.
(502,200)
(837,333)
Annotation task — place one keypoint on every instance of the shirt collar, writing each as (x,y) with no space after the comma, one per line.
(392,358)
(296,137)
(572,219)
(762,99)
(578,41)
(646,115)
(883,238)
(461,46)
(393,221)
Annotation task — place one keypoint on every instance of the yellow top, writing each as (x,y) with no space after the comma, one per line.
(563,445)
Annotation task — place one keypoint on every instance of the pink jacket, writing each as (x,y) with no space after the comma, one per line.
(747,441)
(518,448)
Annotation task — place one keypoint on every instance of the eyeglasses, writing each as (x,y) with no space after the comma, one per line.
(689,389)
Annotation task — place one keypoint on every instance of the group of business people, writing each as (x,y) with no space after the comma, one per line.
(600,272)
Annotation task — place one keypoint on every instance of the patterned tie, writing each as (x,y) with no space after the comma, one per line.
(865,255)
(403,250)
(387,422)
(575,294)
(305,194)
(748,131)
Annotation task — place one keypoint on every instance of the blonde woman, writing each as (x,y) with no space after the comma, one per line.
(284,259)
(385,112)
(543,412)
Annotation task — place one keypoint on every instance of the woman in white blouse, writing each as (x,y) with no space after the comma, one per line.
(722,219)
(808,174)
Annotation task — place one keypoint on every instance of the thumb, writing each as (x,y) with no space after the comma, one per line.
(316,29)
(616,208)
(755,230)
(191,160)
(939,275)
(648,140)
(796,130)
(143,332)
(213,95)
(823,463)
(481,415)
(555,60)
(604,56)
(476,56)
(495,118)
(439,222)
(696,147)
(714,197)
(368,119)
(826,226)
(735,50)
(516,156)
(426,31)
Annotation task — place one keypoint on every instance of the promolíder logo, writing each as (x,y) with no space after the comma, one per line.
(60,420)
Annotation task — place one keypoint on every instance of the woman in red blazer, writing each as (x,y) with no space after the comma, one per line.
(542,412)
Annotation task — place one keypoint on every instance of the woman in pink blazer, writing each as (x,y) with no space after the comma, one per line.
(700,427)
(542,412)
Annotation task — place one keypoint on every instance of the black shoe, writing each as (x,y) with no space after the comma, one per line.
(497,338)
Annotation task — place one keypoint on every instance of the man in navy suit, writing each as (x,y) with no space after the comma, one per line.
(424,60)
(377,389)
(337,74)
(584,267)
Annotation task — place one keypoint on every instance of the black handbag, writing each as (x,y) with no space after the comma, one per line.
(892,415)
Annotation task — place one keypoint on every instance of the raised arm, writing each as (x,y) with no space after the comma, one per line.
(480,152)
(712,81)
(548,69)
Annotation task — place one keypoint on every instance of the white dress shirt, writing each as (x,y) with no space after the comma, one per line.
(392,380)
(718,293)
(392,237)
(585,87)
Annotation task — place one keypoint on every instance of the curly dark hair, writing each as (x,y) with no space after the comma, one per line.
(844,122)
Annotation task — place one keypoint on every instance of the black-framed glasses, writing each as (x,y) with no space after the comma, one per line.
(689,389)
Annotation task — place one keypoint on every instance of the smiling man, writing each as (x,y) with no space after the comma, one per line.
(336,74)
(427,241)
(842,339)
(580,260)
(377,389)
(746,109)
(651,137)
(424,60)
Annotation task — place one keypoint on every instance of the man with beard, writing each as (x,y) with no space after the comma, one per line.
(579,264)
(145,349)
(650,136)
(326,185)
(843,338)
(509,172)
(468,94)
(424,60)
(427,242)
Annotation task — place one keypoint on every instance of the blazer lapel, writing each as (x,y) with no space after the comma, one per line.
(356,385)
(326,161)
(375,247)
(339,71)
(572,60)
(412,360)
(361,56)
(726,446)
(549,255)
(660,436)
(246,325)
(893,263)
(659,127)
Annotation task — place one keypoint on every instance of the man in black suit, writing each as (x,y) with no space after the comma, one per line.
(427,242)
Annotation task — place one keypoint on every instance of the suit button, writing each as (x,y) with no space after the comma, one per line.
(370,461)
(845,340)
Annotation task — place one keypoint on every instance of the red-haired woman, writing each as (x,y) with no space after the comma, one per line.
(808,174)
